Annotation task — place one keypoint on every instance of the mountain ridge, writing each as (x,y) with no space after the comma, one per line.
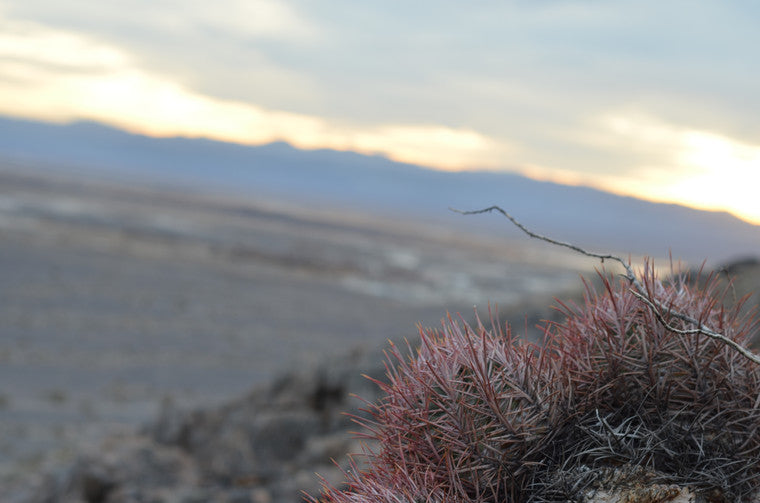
(356,182)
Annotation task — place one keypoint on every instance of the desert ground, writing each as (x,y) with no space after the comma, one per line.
(118,298)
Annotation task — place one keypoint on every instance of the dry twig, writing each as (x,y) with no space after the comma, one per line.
(657,307)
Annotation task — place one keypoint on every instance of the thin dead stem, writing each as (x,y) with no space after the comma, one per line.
(657,307)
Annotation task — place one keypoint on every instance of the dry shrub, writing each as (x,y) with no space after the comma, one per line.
(479,416)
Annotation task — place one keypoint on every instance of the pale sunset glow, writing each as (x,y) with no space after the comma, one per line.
(701,169)
(724,170)
(514,87)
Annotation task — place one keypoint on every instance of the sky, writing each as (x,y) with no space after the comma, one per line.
(647,98)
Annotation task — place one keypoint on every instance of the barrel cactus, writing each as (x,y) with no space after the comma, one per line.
(613,392)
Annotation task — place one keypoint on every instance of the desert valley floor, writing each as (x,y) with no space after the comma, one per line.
(115,299)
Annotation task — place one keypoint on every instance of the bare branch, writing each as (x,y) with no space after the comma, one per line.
(629,271)
(701,328)
(638,290)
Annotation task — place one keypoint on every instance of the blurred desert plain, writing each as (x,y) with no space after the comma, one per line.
(118,297)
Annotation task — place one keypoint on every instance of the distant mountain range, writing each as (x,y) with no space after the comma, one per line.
(356,182)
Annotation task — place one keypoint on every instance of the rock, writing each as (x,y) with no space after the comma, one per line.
(656,493)
(127,461)
(264,447)
(170,427)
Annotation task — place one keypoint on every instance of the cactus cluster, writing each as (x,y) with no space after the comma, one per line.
(477,415)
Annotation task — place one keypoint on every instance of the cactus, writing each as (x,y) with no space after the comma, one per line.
(613,392)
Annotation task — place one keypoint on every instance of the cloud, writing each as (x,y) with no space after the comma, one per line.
(246,18)
(62,76)
(32,45)
(272,19)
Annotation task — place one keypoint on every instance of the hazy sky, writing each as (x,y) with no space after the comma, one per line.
(652,98)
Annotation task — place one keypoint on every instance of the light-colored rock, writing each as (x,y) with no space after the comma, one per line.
(654,493)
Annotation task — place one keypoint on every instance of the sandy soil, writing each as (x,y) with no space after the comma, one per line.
(116,299)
